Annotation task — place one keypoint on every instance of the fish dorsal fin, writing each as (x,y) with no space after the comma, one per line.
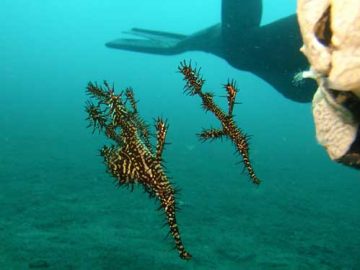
(240,15)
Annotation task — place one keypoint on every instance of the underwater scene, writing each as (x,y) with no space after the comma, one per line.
(180,144)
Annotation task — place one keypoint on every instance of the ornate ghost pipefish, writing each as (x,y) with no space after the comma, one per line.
(193,86)
(133,160)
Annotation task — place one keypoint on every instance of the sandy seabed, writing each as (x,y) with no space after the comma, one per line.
(64,212)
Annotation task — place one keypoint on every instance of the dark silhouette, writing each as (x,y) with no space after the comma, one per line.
(270,51)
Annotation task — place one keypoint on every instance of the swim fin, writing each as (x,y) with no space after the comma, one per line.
(150,41)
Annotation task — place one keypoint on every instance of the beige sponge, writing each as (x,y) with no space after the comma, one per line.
(331,34)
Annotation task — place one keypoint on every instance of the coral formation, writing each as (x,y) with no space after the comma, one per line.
(331,35)
(133,159)
(193,86)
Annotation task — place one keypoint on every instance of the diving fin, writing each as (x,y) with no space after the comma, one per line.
(150,41)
